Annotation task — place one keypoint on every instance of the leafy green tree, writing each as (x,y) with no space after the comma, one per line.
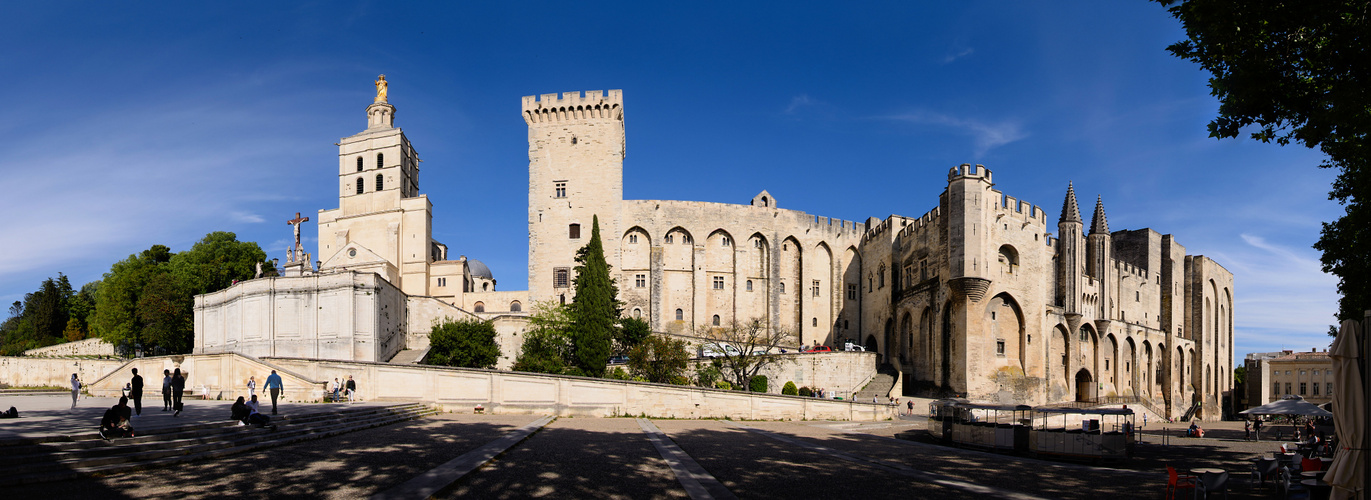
(468,343)
(631,332)
(216,261)
(547,343)
(1297,72)
(707,373)
(595,309)
(755,345)
(73,332)
(164,311)
(789,389)
(116,304)
(659,359)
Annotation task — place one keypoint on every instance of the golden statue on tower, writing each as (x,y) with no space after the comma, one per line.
(381,88)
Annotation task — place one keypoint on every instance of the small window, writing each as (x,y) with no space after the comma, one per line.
(640,280)
(637,313)
(869,281)
(442,281)
(632,238)
(360,184)
(1287,388)
(516,307)
(686,239)
(718,282)
(844,324)
(880,277)
(1137,296)
(359,164)
(561,189)
(715,320)
(1030,339)
(380,160)
(669,238)
(1316,389)
(726,241)
(379,182)
(816,321)
(1276,388)
(851,291)
(561,277)
(480,307)
(573,140)
(1303,387)
(680,315)
(749,285)
(999,351)
(757,243)
(574,231)
(1106,362)
(781,286)
(816,288)
(485,287)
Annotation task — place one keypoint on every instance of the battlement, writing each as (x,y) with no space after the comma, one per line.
(1032,212)
(595,104)
(967,171)
(1125,268)
(925,221)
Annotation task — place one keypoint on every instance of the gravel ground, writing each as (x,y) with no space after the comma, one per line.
(351,465)
(755,466)
(576,458)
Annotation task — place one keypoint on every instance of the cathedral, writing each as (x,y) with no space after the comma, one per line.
(975,298)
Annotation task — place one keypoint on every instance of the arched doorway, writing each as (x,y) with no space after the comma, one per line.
(871,345)
(1084,385)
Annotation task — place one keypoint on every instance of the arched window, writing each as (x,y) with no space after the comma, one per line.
(766,202)
(480,307)
(515,306)
(782,287)
(1009,259)
(359,185)
(379,182)
(749,285)
(637,313)
(359,164)
(380,160)
(715,321)
(680,315)
(485,287)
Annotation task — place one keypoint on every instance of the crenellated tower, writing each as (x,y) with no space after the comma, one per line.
(968,197)
(1069,230)
(575,172)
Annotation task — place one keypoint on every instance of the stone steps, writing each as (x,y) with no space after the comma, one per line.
(879,387)
(85,455)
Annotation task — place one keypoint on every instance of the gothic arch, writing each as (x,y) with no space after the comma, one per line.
(819,293)
(791,289)
(1007,324)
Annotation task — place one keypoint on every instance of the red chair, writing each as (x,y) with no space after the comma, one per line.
(1177,482)
(1311,464)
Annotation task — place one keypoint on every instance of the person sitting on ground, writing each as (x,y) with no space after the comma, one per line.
(239,411)
(115,423)
(10,413)
(255,417)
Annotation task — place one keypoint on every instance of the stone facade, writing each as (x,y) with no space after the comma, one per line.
(1274,375)
(88,347)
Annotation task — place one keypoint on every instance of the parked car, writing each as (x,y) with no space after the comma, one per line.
(618,360)
(817,348)
(853,347)
(718,350)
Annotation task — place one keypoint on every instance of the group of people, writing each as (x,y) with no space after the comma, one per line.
(347,388)
(1248,426)
(249,413)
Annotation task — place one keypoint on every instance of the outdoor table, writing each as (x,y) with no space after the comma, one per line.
(1206,470)
(1314,474)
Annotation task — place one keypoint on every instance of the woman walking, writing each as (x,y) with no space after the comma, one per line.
(178,385)
(166,390)
(252,386)
(75,390)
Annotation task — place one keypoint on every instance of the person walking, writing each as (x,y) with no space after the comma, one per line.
(178,386)
(166,390)
(333,389)
(1247,430)
(1257,426)
(75,390)
(136,393)
(252,386)
(911,407)
(274,387)
(352,388)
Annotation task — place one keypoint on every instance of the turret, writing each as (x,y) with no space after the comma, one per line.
(1068,253)
(575,170)
(1098,255)
(968,197)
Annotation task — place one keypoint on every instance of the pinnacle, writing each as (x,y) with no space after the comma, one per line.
(1098,223)
(1070,211)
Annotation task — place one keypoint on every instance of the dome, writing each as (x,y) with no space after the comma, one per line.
(479,269)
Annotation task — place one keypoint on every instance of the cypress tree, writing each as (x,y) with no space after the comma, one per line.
(595,309)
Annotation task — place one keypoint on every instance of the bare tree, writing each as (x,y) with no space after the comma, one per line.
(746,347)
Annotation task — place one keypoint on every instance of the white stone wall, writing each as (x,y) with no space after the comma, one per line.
(53,372)
(87,347)
(341,315)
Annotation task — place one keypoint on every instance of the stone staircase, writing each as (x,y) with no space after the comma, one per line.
(58,458)
(879,387)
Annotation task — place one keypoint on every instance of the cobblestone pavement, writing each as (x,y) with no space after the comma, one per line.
(612,458)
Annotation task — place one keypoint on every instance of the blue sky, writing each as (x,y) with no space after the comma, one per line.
(128,127)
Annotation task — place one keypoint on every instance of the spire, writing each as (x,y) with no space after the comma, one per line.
(1070,211)
(1098,224)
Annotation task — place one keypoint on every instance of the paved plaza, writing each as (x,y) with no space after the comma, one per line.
(619,458)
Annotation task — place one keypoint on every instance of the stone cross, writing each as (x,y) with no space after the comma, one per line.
(295,251)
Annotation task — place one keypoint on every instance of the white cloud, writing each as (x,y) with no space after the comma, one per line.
(246,217)
(987,136)
(798,102)
(957,53)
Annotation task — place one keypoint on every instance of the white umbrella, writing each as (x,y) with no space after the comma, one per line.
(1291,405)
(1349,415)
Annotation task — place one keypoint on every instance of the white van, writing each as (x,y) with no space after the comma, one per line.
(718,350)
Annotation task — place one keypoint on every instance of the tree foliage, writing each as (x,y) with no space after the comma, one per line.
(1297,72)
(758,346)
(547,343)
(41,319)
(631,332)
(659,359)
(468,343)
(595,309)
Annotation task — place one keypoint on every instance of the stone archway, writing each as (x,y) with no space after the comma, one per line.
(1084,385)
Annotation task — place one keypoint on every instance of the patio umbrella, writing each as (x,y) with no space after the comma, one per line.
(1345,473)
(1291,405)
